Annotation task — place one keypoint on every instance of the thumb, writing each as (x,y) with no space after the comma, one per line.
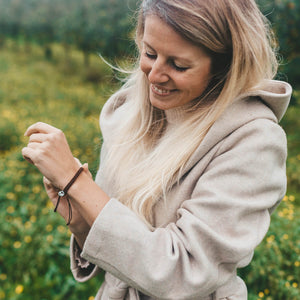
(86,169)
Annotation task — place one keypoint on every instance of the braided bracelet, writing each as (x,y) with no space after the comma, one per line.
(64,192)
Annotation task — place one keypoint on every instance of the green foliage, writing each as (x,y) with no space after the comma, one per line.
(284,16)
(34,253)
(91,25)
(291,125)
(9,134)
(106,26)
(275,270)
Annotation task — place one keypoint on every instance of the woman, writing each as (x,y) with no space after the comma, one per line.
(193,160)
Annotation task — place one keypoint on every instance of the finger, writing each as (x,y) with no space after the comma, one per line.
(39,127)
(28,154)
(38,138)
(33,145)
(47,183)
(78,161)
(28,159)
(86,169)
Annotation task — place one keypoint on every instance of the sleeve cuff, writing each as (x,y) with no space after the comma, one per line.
(81,268)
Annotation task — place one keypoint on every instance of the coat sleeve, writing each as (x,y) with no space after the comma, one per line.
(216,230)
(81,269)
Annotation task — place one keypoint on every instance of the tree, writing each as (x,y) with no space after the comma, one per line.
(284,16)
(92,25)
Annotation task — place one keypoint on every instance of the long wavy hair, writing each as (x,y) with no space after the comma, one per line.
(144,160)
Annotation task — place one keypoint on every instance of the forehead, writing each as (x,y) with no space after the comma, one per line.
(163,38)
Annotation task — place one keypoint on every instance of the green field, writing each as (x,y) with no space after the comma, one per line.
(34,259)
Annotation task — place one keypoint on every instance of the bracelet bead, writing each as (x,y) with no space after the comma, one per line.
(64,192)
(61,193)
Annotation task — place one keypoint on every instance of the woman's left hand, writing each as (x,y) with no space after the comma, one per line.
(49,151)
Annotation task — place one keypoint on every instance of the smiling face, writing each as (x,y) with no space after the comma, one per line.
(177,70)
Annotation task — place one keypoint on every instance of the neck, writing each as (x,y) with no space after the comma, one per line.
(176,115)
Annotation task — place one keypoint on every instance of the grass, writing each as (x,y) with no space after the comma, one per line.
(34,241)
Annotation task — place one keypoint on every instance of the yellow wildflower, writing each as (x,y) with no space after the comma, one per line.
(61,229)
(11,196)
(33,219)
(280,214)
(28,239)
(285,236)
(45,211)
(10,209)
(292,198)
(297,264)
(18,188)
(49,204)
(290,277)
(49,227)
(3,276)
(76,152)
(2,295)
(295,285)
(261,294)
(36,189)
(17,244)
(27,225)
(50,238)
(267,292)
(285,198)
(19,289)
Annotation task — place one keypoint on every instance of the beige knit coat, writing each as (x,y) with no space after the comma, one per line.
(215,217)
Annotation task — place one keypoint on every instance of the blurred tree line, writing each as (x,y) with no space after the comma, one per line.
(284,16)
(91,25)
(106,26)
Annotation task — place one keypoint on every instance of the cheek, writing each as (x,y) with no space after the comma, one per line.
(145,66)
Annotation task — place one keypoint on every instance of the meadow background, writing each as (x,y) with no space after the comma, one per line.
(50,72)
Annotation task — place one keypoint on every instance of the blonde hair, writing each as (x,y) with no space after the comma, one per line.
(144,160)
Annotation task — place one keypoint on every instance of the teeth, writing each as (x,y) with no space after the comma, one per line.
(160,90)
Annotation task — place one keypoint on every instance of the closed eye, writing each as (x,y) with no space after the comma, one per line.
(151,56)
(177,68)
(171,62)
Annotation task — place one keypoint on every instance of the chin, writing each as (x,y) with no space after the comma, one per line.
(162,105)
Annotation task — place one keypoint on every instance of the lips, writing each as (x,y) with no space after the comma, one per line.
(160,90)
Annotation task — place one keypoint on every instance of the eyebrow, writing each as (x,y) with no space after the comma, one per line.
(181,59)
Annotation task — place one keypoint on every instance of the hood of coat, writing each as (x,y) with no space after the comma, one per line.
(274,94)
(269,102)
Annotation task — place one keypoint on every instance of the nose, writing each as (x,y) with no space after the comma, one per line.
(158,72)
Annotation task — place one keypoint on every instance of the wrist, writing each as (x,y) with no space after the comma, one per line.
(80,231)
(88,198)
(64,193)
(80,239)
